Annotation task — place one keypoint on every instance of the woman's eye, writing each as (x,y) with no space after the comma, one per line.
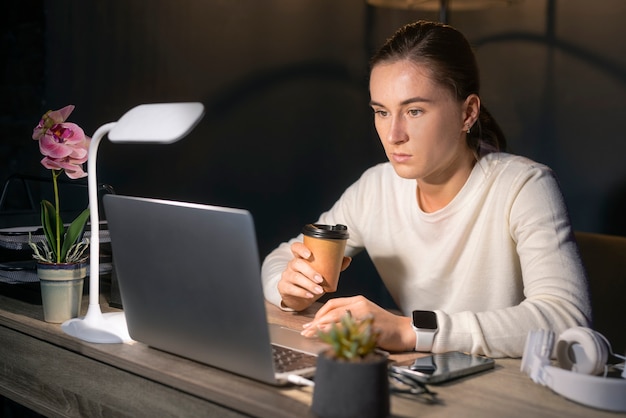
(381,113)
(415,112)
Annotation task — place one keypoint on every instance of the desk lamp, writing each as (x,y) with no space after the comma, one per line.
(161,123)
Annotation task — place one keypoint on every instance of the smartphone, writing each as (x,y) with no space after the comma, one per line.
(439,368)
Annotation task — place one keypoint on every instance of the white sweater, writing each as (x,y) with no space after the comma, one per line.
(497,261)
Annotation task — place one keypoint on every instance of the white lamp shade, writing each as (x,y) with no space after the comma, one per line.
(157,123)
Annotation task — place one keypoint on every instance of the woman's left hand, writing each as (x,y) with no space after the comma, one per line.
(396,332)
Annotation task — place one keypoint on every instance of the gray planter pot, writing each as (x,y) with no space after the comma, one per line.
(61,290)
(344,389)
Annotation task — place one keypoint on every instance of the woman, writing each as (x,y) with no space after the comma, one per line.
(474,239)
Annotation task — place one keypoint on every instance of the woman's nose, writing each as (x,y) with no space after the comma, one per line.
(397,131)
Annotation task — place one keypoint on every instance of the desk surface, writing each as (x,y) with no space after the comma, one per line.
(58,375)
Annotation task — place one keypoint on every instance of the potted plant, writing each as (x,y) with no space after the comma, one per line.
(60,256)
(351,379)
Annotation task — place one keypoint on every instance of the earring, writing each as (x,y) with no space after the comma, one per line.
(467,125)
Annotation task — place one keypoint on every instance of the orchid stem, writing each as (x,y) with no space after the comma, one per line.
(57,215)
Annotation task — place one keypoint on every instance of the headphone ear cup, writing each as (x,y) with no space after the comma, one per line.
(582,350)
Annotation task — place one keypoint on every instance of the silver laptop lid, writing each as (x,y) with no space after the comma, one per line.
(190,284)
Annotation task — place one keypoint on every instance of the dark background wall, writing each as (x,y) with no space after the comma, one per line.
(284,83)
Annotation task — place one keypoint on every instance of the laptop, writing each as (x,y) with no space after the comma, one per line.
(190,284)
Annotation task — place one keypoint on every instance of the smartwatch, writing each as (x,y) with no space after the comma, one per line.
(425,327)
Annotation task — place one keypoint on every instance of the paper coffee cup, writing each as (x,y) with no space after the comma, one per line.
(327,244)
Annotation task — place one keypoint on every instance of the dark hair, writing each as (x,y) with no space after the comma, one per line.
(452,64)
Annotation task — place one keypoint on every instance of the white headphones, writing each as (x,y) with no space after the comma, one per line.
(581,355)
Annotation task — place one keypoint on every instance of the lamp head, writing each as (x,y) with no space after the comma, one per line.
(162,123)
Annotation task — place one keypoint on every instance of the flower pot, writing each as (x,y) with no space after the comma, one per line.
(61,290)
(351,389)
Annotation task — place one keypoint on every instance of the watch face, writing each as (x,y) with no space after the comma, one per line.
(425,319)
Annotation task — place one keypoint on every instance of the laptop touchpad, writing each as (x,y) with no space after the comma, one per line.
(291,338)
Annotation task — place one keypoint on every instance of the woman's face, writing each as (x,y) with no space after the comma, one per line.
(420,124)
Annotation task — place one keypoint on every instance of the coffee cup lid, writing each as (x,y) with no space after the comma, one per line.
(326,231)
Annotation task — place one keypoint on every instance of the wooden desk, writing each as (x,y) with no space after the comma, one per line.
(58,375)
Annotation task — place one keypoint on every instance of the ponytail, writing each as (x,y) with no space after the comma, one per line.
(488,137)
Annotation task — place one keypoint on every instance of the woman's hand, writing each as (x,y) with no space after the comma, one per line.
(300,284)
(396,332)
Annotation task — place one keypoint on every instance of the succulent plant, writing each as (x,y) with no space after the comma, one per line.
(351,339)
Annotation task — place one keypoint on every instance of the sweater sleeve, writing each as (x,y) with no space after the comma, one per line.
(271,271)
(554,283)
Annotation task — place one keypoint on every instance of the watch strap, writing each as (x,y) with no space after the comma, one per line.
(424,339)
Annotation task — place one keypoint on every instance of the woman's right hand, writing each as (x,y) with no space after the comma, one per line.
(300,284)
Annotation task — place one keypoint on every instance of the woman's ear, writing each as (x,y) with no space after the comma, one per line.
(471,110)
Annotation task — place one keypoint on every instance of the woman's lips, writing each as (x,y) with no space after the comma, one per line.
(400,158)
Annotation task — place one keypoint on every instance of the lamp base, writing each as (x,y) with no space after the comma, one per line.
(97,327)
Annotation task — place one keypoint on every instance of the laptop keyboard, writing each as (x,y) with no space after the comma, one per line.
(288,360)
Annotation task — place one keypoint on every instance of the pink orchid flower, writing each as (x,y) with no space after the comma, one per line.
(52,117)
(64,145)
